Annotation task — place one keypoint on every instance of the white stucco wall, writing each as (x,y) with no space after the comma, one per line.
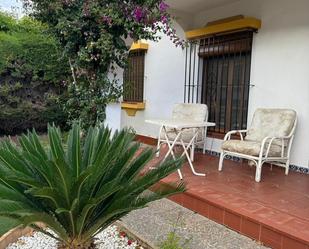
(280,61)
(280,65)
(113,110)
(113,116)
(163,86)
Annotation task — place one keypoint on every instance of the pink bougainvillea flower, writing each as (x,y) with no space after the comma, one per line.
(164,19)
(163,6)
(138,14)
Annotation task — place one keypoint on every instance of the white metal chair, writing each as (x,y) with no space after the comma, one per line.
(269,139)
(193,112)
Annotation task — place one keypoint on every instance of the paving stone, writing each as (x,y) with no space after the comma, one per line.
(155,222)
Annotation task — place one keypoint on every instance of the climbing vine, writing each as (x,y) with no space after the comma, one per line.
(94,36)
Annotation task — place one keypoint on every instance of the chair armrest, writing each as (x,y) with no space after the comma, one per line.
(275,138)
(264,141)
(240,132)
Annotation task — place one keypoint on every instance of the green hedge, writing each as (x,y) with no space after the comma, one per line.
(32,77)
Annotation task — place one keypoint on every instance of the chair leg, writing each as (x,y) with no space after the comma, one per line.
(158,147)
(204,147)
(192,152)
(287,167)
(159,142)
(180,174)
(258,171)
(222,155)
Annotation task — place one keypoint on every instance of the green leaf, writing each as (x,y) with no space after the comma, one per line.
(11,206)
(38,146)
(11,194)
(139,163)
(55,143)
(9,158)
(49,221)
(20,178)
(48,193)
(89,147)
(74,149)
(65,178)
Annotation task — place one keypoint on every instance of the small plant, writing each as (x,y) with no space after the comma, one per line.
(173,241)
(78,191)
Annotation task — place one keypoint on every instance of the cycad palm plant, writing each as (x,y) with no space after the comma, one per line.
(79,190)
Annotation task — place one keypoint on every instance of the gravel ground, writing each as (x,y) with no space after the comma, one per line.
(108,239)
(155,222)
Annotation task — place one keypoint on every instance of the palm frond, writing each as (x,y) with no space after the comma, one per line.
(74,150)
(55,143)
(82,188)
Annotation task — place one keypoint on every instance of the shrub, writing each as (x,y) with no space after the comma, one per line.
(31,76)
(79,191)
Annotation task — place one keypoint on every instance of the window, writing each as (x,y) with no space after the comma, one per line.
(226,62)
(134,77)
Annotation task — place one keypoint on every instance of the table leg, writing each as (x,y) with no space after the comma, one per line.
(192,148)
(159,142)
(171,146)
(185,152)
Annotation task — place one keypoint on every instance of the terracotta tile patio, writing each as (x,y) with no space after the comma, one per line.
(274,211)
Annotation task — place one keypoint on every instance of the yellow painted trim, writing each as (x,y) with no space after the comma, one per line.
(139,46)
(132,107)
(246,22)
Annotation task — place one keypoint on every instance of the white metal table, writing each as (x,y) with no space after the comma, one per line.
(178,127)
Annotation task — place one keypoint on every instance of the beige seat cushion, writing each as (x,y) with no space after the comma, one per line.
(271,123)
(251,148)
(186,135)
(192,112)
